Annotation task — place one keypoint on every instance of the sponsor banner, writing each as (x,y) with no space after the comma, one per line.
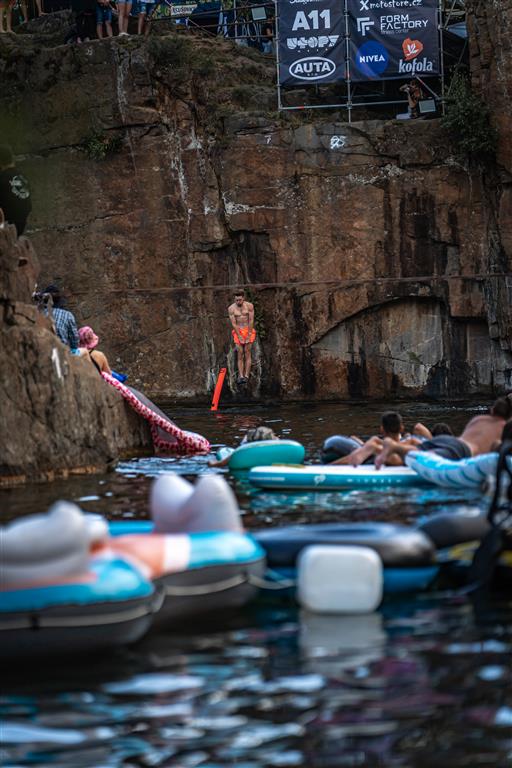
(311,40)
(391,39)
(183,10)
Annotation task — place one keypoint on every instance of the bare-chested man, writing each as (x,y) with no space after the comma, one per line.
(481,435)
(241,314)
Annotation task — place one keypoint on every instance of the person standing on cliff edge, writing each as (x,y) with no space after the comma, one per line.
(241,314)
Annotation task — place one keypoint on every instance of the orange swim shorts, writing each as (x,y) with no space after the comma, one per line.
(240,335)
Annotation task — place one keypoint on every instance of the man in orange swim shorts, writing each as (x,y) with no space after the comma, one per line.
(241,314)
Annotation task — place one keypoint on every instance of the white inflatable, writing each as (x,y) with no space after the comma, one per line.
(335,579)
(465,473)
(176,506)
(47,547)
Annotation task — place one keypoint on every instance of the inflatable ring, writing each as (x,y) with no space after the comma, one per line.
(262,452)
(198,573)
(447,529)
(337,446)
(408,556)
(108,605)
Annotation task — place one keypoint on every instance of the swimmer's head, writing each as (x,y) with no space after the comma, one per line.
(441,429)
(239,297)
(260,433)
(391,423)
(502,408)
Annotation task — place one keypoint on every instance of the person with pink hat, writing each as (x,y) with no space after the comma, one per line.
(88,343)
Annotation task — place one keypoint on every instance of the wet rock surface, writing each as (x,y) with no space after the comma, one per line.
(161,176)
(56,415)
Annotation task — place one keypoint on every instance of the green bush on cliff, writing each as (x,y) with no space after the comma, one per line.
(99,145)
(467,120)
(171,51)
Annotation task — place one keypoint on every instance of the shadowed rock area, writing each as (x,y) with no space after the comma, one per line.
(56,416)
(162,174)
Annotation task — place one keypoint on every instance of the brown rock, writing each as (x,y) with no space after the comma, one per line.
(373,240)
(56,415)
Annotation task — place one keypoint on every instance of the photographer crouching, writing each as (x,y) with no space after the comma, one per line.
(415,94)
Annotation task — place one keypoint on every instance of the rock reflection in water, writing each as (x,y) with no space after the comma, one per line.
(416,684)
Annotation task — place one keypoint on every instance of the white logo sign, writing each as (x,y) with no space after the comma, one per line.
(416,65)
(312,68)
(323,41)
(364,5)
(400,22)
(338,142)
(364,24)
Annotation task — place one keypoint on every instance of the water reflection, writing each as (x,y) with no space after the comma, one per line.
(277,687)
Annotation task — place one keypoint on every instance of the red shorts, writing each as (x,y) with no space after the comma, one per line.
(240,335)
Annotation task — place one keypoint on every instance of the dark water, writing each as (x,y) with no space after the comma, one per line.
(423,682)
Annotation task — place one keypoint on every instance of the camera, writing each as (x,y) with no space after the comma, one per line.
(41,299)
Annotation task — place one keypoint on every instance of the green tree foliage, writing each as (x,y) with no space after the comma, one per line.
(467,120)
(99,145)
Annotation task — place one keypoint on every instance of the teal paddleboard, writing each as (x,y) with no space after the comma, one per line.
(327,477)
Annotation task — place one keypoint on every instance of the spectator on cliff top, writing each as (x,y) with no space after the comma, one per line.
(6,7)
(64,321)
(124,9)
(267,30)
(103,17)
(88,343)
(145,14)
(14,191)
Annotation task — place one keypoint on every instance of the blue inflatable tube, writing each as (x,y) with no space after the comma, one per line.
(110,605)
(220,571)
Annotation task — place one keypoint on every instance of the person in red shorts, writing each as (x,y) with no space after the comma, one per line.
(241,314)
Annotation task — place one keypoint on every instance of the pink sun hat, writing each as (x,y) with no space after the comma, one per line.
(88,338)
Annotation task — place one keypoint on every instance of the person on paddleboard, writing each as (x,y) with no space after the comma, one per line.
(241,315)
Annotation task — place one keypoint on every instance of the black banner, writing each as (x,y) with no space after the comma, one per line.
(391,39)
(311,40)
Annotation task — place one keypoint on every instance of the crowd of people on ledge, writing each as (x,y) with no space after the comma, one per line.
(107,18)
(100,17)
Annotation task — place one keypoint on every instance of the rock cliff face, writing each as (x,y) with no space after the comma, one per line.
(370,249)
(56,415)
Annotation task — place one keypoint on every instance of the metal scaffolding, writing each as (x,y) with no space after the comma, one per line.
(451,17)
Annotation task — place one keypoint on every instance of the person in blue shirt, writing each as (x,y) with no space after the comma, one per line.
(64,320)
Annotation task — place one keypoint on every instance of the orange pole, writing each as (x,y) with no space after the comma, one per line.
(218,389)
